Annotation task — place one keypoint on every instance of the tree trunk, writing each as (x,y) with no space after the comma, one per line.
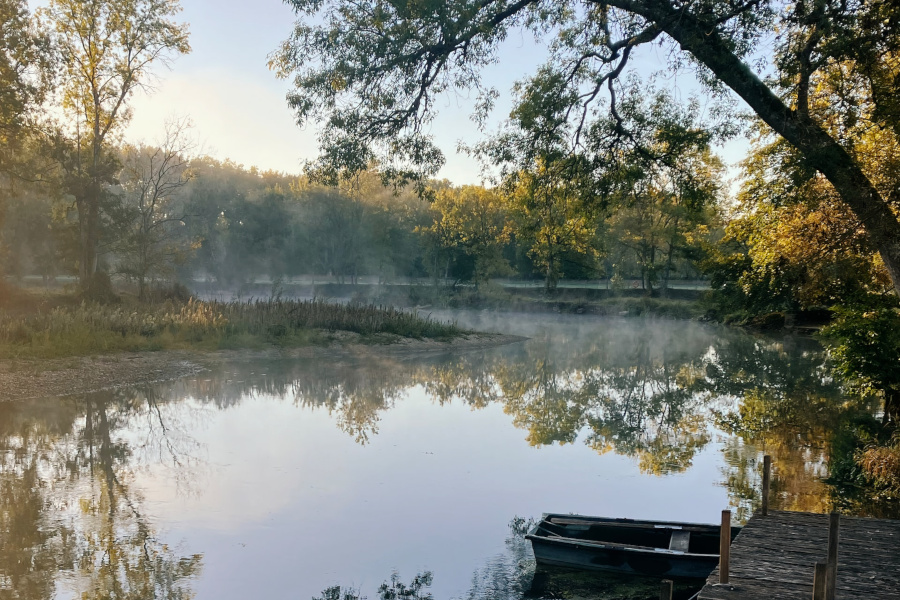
(891,407)
(88,229)
(820,150)
(664,287)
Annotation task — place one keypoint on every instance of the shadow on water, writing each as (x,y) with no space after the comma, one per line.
(659,392)
(513,575)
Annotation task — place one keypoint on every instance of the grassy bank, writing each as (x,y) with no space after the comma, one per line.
(90,328)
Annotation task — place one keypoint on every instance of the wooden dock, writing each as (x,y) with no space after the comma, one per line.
(774,558)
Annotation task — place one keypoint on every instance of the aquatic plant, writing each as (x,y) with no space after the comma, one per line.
(91,328)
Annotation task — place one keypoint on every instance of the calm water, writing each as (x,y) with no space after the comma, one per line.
(282,479)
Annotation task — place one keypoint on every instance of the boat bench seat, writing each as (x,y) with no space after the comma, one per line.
(681,540)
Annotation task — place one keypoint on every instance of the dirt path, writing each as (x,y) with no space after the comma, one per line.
(35,378)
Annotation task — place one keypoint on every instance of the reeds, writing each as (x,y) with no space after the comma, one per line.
(91,328)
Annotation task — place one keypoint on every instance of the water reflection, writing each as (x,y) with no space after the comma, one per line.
(74,521)
(67,505)
(514,575)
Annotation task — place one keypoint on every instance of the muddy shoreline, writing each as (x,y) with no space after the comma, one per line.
(23,379)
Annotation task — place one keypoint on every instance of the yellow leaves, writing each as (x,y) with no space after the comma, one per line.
(882,463)
(107,49)
(337,83)
(475,219)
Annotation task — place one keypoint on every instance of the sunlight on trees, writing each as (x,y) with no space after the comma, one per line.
(151,179)
(106,51)
(555,217)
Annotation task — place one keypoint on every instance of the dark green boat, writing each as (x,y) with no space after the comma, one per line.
(653,548)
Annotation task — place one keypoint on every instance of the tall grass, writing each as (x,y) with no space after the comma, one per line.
(92,328)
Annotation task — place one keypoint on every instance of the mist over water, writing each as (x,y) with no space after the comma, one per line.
(281,479)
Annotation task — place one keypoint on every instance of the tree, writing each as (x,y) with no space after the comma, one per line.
(150,181)
(107,49)
(370,71)
(474,219)
(553,214)
(662,182)
(24,76)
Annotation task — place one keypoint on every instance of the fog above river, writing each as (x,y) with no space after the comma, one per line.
(280,479)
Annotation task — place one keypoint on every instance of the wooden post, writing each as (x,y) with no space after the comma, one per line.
(666,589)
(767,478)
(724,546)
(834,524)
(819,577)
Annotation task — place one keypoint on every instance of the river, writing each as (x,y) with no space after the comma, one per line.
(285,479)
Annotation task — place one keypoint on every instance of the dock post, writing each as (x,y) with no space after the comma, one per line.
(819,577)
(666,589)
(724,546)
(834,524)
(767,478)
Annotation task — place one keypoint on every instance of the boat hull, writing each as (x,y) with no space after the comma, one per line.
(650,548)
(622,560)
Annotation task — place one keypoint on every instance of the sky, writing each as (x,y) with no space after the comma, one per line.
(238,106)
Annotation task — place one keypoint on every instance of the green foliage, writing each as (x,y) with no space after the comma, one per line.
(555,214)
(865,343)
(25,73)
(106,50)
(792,246)
(370,71)
(473,219)
(865,463)
(663,185)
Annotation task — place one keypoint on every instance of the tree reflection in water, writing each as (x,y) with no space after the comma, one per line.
(788,407)
(394,589)
(70,509)
(514,575)
(648,390)
(67,505)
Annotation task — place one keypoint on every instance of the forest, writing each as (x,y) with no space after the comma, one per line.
(630,196)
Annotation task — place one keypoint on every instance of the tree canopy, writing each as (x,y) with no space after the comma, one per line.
(106,50)
(369,73)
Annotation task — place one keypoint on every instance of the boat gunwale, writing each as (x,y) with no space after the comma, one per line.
(624,521)
(614,546)
(533,534)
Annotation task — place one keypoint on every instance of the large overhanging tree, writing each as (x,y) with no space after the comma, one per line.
(369,72)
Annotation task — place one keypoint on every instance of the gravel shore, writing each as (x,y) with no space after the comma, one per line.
(33,378)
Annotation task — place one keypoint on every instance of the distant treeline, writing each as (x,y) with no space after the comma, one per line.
(234,225)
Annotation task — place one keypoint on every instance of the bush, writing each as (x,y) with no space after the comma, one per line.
(881,464)
(864,342)
(173,292)
(100,290)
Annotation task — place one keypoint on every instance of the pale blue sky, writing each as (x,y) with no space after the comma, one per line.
(238,106)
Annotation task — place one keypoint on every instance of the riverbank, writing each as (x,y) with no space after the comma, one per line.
(88,329)
(22,379)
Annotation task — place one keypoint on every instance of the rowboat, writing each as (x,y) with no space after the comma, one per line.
(652,548)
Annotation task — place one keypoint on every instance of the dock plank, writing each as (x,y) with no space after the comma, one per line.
(774,557)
